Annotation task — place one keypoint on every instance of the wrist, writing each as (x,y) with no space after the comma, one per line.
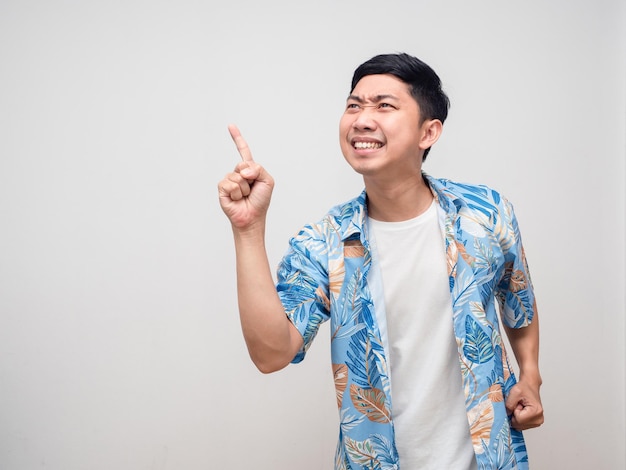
(531,376)
(250,234)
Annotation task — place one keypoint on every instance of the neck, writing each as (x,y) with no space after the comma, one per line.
(398,201)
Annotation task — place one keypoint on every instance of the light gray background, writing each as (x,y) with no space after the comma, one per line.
(119,337)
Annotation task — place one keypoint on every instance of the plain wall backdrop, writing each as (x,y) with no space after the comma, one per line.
(120,345)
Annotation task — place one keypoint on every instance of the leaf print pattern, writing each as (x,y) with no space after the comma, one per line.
(340,374)
(518,281)
(452,254)
(341,461)
(353,249)
(348,310)
(519,446)
(481,420)
(385,450)
(349,421)
(336,273)
(478,312)
(362,453)
(463,252)
(363,356)
(300,286)
(477,347)
(505,456)
(323,298)
(485,258)
(495,393)
(324,276)
(370,402)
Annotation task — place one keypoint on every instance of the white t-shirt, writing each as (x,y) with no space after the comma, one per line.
(429,415)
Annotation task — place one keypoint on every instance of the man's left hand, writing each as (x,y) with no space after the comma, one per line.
(524,406)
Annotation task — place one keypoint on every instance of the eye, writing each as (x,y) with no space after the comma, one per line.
(386,106)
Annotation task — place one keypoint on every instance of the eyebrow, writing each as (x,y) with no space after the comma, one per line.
(375,99)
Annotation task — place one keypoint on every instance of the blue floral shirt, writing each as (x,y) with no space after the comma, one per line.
(324,276)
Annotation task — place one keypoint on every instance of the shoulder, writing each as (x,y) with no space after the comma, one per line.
(341,221)
(470,204)
(322,241)
(459,197)
(466,191)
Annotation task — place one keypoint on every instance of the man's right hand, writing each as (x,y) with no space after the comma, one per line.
(245,193)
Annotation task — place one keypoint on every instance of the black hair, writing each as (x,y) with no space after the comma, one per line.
(424,83)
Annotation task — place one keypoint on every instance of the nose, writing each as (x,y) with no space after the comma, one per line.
(364,120)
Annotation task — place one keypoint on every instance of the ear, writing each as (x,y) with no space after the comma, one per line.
(430,130)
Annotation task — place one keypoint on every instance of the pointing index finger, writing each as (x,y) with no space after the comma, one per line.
(240,142)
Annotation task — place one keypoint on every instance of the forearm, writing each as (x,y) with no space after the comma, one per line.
(271,338)
(524,403)
(525,344)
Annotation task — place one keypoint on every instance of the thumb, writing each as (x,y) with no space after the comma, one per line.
(255,173)
(514,399)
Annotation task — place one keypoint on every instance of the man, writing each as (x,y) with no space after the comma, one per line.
(408,273)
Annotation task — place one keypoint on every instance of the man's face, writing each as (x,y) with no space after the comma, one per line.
(380,131)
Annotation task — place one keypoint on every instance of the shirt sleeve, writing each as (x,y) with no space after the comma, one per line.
(302,285)
(514,292)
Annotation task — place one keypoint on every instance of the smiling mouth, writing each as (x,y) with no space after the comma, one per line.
(367,145)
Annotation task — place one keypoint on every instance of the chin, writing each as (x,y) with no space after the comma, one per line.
(362,168)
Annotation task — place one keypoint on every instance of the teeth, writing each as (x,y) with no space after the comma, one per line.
(367,145)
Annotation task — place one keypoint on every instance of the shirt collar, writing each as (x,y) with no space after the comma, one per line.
(353,215)
(353,218)
(446,199)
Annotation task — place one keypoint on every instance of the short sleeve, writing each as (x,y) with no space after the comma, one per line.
(302,285)
(514,292)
